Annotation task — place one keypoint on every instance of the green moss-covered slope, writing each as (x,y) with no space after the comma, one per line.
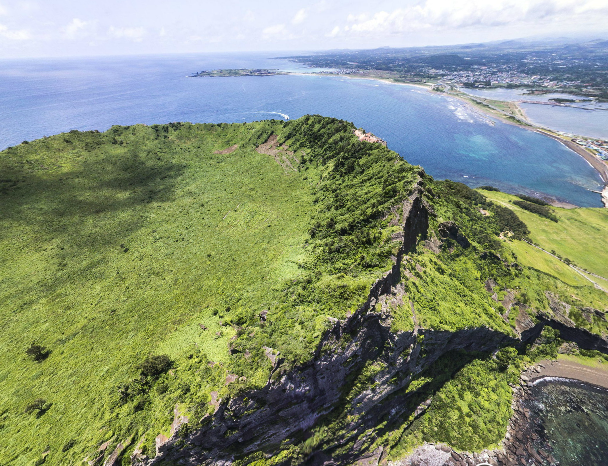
(227,250)
(144,240)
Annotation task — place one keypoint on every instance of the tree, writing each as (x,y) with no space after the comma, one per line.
(37,352)
(154,366)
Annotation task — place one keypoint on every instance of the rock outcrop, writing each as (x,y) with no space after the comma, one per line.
(361,348)
(295,400)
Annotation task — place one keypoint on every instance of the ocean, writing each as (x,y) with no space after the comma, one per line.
(449,139)
(570,420)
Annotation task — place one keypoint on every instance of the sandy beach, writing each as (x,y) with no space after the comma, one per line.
(570,369)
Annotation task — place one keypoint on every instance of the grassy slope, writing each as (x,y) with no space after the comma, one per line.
(197,228)
(119,245)
(580,234)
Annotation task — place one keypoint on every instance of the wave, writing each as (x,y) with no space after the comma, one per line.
(284,115)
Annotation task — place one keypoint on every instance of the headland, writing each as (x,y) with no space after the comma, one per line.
(507,112)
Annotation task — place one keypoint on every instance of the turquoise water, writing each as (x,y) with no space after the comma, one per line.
(572,420)
(44,97)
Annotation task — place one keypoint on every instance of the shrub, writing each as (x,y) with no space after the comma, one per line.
(505,357)
(489,188)
(533,200)
(537,209)
(69,444)
(37,352)
(40,406)
(155,366)
(508,220)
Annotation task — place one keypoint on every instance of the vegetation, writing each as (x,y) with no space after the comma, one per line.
(38,353)
(533,200)
(470,412)
(577,232)
(159,267)
(537,209)
(144,240)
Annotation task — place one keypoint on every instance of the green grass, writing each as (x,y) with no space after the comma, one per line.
(114,253)
(143,241)
(469,410)
(530,256)
(579,235)
(119,245)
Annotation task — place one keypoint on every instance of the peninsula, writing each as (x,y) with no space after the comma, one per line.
(451,70)
(232,73)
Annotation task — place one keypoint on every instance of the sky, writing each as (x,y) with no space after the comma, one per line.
(52,28)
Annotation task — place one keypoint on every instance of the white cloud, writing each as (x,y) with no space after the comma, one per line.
(335,31)
(300,16)
(20,34)
(249,16)
(278,30)
(76,26)
(135,34)
(455,14)
(162,32)
(3,10)
(359,18)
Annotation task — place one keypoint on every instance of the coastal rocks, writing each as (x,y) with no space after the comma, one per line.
(368,137)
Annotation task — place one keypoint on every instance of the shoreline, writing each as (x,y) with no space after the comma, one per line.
(597,164)
(568,369)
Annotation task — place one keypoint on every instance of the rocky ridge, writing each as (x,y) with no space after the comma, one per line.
(295,400)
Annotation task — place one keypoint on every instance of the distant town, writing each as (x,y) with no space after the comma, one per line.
(577,68)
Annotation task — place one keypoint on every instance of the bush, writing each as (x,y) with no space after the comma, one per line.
(155,366)
(537,209)
(489,188)
(505,357)
(40,406)
(68,445)
(533,200)
(37,352)
(509,221)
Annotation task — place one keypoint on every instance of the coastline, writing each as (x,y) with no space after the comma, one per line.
(567,368)
(596,163)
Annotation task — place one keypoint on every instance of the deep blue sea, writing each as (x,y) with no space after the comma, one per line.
(446,137)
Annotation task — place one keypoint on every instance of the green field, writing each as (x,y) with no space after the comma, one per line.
(532,257)
(111,253)
(579,235)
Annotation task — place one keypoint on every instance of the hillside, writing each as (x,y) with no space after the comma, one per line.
(265,292)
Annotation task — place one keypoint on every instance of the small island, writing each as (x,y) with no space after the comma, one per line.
(228,73)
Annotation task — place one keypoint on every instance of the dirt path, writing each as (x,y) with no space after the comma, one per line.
(228,150)
(574,267)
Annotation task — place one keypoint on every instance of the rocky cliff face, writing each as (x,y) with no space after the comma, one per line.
(294,400)
(361,368)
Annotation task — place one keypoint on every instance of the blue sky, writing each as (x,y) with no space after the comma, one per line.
(35,28)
